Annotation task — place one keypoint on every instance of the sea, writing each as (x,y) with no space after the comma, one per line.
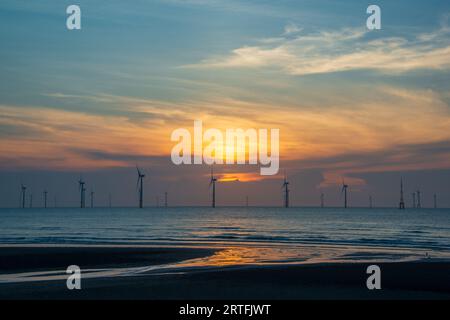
(244,235)
(374,227)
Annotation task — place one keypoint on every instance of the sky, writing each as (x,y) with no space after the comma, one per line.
(367,107)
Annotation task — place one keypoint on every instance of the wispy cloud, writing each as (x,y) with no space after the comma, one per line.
(291,28)
(336,51)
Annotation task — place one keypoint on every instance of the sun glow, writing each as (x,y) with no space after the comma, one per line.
(236,142)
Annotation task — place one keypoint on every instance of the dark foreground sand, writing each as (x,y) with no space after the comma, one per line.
(419,280)
(27,259)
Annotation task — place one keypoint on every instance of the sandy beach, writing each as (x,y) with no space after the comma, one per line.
(34,258)
(402,280)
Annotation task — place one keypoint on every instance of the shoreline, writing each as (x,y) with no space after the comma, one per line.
(19,259)
(334,280)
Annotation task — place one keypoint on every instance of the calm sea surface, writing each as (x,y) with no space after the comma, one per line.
(424,228)
(245,236)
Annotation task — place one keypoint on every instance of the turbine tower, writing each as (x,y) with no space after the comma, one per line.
(45,198)
(285,185)
(344,190)
(414,199)
(322,200)
(82,190)
(140,184)
(92,198)
(419,205)
(165,200)
(402,202)
(23,190)
(212,183)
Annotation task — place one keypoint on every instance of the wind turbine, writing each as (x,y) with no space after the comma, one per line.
(45,198)
(344,190)
(82,190)
(322,200)
(92,198)
(212,183)
(285,185)
(23,189)
(419,205)
(402,201)
(140,184)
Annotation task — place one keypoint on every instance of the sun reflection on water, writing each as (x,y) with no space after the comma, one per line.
(269,255)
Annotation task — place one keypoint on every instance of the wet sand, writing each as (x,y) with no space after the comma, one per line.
(403,280)
(17,259)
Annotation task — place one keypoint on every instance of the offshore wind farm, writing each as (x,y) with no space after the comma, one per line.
(225,149)
(219,239)
(213,179)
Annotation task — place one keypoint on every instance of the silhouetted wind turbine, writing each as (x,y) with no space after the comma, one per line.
(414,199)
(45,198)
(92,198)
(23,190)
(285,185)
(213,183)
(401,205)
(140,184)
(165,199)
(322,200)
(82,190)
(344,189)
(419,205)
